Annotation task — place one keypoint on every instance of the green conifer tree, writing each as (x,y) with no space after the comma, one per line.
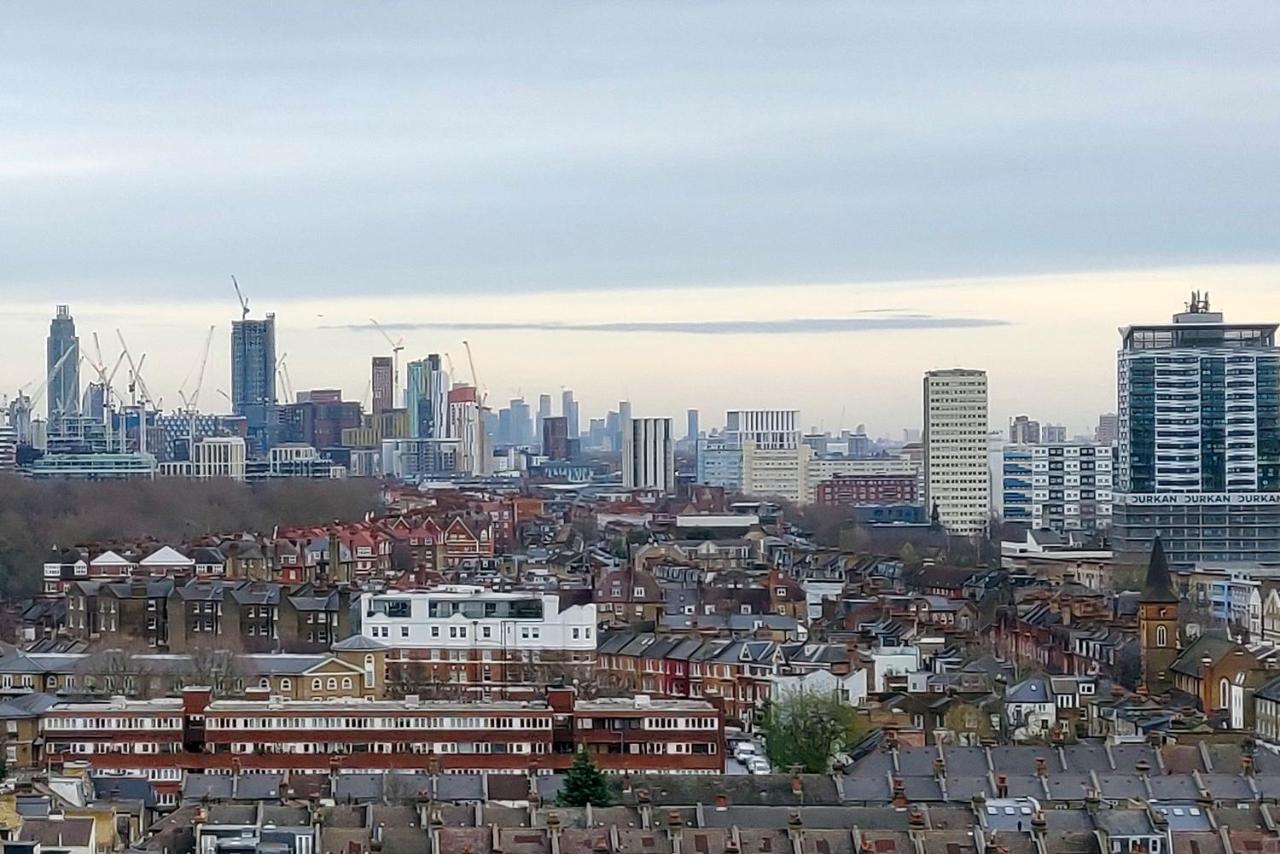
(584,784)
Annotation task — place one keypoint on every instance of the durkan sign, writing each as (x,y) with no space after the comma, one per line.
(1190,499)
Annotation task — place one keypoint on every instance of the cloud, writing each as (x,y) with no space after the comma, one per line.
(780,326)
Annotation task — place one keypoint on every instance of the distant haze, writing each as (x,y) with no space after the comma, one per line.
(711,204)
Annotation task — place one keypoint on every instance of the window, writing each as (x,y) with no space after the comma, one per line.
(404,631)
(333,683)
(1224,693)
(286,685)
(1162,636)
(316,684)
(347,685)
(486,631)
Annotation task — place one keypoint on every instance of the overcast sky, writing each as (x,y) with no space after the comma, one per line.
(529,164)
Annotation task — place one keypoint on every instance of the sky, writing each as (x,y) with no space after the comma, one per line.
(682,204)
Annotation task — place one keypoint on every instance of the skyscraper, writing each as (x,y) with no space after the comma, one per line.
(544,412)
(382,383)
(1108,429)
(648,454)
(63,395)
(569,409)
(691,425)
(555,438)
(253,377)
(426,397)
(1199,439)
(956,470)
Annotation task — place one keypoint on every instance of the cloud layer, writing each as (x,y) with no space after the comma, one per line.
(781,326)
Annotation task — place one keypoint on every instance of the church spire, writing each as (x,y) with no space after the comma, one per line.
(1159,586)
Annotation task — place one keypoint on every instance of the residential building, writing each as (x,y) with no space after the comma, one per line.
(160,739)
(426,398)
(957,478)
(253,378)
(1199,443)
(415,458)
(382,383)
(454,618)
(1062,487)
(62,367)
(465,427)
(648,454)
(1053,434)
(569,409)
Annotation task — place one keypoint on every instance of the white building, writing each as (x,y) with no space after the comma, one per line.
(767,428)
(219,456)
(776,472)
(1061,487)
(648,454)
(956,471)
(458,617)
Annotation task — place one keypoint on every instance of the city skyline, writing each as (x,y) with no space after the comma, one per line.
(1037,315)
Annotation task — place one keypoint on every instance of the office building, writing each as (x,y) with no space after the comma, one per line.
(861,490)
(569,409)
(768,429)
(956,470)
(94,403)
(318,418)
(382,383)
(62,351)
(521,431)
(555,438)
(824,469)
(719,463)
(1059,487)
(219,457)
(1024,431)
(776,472)
(253,379)
(691,426)
(8,448)
(648,454)
(1199,439)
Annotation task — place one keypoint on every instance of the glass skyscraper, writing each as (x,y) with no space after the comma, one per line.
(253,378)
(1198,457)
(63,373)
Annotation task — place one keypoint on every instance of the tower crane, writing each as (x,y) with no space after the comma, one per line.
(396,347)
(192,403)
(106,378)
(244,303)
(282,371)
(481,396)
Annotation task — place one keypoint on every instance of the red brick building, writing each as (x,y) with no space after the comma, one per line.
(162,738)
(854,490)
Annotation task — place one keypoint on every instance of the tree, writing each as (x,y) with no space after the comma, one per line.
(584,784)
(808,728)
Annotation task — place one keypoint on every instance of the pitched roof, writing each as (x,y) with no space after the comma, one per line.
(1159,585)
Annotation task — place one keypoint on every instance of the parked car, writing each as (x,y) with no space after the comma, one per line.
(759,765)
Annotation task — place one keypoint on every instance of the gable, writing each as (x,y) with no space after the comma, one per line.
(333,666)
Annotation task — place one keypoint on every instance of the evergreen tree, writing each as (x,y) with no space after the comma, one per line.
(584,784)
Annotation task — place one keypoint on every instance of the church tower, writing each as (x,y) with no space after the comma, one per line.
(1158,623)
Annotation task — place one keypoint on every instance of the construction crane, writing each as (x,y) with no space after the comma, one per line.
(44,384)
(136,382)
(481,397)
(396,347)
(192,401)
(244,303)
(105,378)
(448,360)
(282,372)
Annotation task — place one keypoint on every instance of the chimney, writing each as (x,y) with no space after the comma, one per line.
(1091,801)
(1143,767)
(553,823)
(1002,785)
(1042,767)
(939,767)
(1039,826)
(797,785)
(1246,764)
(899,793)
(916,818)
(722,802)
